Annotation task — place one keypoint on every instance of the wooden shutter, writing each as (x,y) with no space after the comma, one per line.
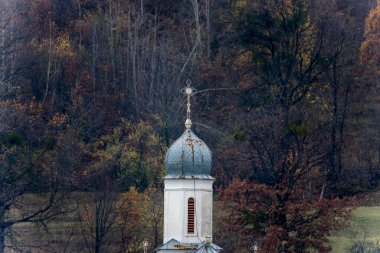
(190,215)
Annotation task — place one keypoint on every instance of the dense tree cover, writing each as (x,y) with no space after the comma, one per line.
(90,90)
(299,142)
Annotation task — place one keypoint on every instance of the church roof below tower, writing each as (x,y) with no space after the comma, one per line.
(188,156)
(208,248)
(175,246)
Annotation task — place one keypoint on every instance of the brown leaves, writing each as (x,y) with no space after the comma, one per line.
(284,219)
(370,47)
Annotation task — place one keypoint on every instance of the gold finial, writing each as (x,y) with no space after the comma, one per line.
(189,91)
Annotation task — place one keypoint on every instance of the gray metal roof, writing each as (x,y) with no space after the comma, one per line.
(204,177)
(173,244)
(188,156)
(203,247)
(207,249)
(211,244)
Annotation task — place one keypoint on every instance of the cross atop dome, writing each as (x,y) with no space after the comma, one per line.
(188,192)
(188,91)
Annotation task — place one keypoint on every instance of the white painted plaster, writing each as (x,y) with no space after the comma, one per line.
(177,193)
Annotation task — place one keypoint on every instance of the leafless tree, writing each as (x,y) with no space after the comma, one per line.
(98,217)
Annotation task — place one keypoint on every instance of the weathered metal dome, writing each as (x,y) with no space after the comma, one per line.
(188,156)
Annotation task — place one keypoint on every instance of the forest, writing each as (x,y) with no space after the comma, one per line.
(90,99)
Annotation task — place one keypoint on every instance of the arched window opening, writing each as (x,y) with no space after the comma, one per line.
(190,215)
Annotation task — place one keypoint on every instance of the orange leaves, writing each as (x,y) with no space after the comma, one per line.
(63,47)
(372,25)
(58,46)
(131,211)
(245,64)
(58,119)
(245,60)
(370,47)
(138,214)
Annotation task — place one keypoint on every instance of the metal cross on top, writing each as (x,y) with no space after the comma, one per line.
(189,91)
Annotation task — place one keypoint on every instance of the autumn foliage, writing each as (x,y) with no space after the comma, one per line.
(370,49)
(283,220)
(287,100)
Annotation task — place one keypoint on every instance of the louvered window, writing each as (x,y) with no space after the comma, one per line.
(190,215)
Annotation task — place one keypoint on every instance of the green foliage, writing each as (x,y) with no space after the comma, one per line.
(131,154)
(82,65)
(285,47)
(299,128)
(240,134)
(11,138)
(263,30)
(255,219)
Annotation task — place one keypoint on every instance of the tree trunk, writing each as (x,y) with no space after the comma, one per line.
(2,241)
(197,24)
(333,156)
(97,247)
(208,32)
(378,151)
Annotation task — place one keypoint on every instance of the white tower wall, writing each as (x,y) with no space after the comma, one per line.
(177,193)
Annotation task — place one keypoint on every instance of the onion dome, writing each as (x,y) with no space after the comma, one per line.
(188,156)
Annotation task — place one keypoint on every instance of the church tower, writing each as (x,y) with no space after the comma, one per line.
(188,194)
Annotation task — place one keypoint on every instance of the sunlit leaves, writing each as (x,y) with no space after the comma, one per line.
(370,47)
(133,154)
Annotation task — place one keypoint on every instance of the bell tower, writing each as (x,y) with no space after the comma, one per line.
(188,193)
(188,190)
